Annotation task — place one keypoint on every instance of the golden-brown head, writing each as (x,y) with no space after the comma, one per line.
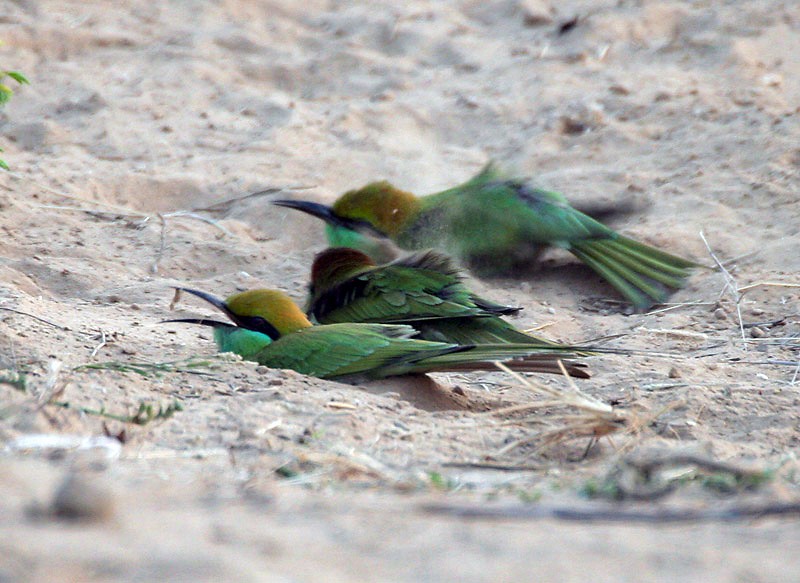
(386,208)
(271,305)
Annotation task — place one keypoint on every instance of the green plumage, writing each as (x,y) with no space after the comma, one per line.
(341,350)
(269,329)
(424,290)
(493,224)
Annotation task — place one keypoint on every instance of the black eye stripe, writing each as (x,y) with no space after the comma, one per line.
(258,324)
(361,225)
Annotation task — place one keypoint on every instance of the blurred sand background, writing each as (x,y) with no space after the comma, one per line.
(139,113)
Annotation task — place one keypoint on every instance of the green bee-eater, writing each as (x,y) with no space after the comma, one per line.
(270,329)
(424,290)
(492,223)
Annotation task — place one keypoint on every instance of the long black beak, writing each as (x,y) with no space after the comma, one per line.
(314,209)
(326,213)
(211,299)
(201,321)
(254,323)
(214,301)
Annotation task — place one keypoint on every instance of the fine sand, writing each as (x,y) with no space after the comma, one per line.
(132,150)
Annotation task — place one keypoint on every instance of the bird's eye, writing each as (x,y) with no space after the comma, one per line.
(259,324)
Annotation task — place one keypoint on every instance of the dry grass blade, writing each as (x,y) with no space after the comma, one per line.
(747,288)
(122,210)
(586,416)
(671,307)
(689,334)
(226,205)
(39,319)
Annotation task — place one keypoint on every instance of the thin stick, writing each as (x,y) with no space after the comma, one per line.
(771,362)
(607,513)
(493,466)
(738,258)
(671,307)
(195,216)
(730,283)
(746,288)
(94,212)
(62,194)
(21,313)
(99,346)
(224,205)
(539,328)
(162,242)
(675,332)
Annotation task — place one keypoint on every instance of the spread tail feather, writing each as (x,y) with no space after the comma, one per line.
(643,274)
(516,357)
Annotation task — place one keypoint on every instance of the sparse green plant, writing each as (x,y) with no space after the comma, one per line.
(650,479)
(6,92)
(287,471)
(151,369)
(441,482)
(146,412)
(13,378)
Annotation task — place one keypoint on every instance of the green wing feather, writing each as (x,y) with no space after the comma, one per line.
(424,290)
(338,350)
(479,330)
(379,350)
(422,286)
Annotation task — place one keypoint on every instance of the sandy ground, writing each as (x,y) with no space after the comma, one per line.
(141,113)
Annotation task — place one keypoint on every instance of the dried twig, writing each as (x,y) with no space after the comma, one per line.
(613,513)
(162,243)
(747,288)
(44,321)
(120,209)
(94,212)
(670,307)
(700,336)
(191,215)
(730,284)
(494,466)
(225,205)
(100,345)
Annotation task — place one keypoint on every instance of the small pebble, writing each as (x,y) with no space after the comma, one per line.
(674,373)
(720,314)
(756,332)
(536,12)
